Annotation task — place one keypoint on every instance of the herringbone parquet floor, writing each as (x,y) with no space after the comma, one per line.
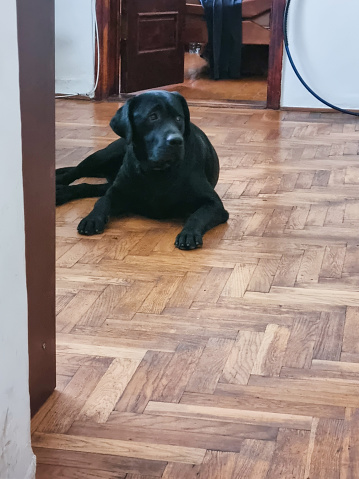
(236,361)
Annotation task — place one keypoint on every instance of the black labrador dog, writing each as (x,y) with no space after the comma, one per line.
(163,167)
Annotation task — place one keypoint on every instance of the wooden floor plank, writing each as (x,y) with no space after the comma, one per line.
(349,468)
(179,371)
(252,462)
(300,346)
(272,351)
(320,392)
(289,459)
(69,404)
(75,309)
(210,366)
(263,275)
(238,281)
(158,298)
(190,425)
(325,460)
(329,343)
(144,382)
(108,390)
(168,436)
(351,333)
(98,461)
(242,357)
(257,399)
(213,285)
(218,413)
(114,447)
(44,471)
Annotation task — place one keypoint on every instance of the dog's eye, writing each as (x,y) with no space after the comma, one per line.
(178,118)
(153,117)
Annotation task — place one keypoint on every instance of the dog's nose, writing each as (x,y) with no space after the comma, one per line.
(174,139)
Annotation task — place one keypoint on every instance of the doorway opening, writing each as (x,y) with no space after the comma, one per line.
(154,44)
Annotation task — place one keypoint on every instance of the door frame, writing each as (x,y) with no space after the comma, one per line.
(109,28)
(36,47)
(274,87)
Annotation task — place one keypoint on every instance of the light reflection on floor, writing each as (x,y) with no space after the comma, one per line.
(198,85)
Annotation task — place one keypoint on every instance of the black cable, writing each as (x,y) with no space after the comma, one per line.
(286,44)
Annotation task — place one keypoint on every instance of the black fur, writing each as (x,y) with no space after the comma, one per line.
(162,167)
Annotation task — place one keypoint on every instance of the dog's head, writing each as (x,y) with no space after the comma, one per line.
(156,123)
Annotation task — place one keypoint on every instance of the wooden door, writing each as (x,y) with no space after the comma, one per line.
(152,52)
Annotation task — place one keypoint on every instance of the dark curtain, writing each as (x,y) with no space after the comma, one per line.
(223,51)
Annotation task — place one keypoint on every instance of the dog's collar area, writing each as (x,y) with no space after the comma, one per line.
(164,166)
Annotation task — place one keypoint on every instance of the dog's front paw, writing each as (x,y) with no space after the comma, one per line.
(63,194)
(189,240)
(92,225)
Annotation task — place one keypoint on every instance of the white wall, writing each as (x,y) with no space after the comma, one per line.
(74,46)
(16,458)
(324,44)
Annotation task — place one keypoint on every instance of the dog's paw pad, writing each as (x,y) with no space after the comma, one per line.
(91,225)
(188,240)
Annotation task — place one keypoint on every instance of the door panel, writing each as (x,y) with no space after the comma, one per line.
(155,33)
(152,51)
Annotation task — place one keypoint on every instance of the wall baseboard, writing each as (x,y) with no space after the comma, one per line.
(70,87)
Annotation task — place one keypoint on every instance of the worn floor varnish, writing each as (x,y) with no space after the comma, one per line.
(239,360)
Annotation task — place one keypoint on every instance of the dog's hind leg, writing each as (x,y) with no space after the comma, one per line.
(66,193)
(66,169)
(104,163)
(90,167)
(64,175)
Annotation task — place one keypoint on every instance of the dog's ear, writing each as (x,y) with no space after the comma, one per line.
(121,123)
(185,109)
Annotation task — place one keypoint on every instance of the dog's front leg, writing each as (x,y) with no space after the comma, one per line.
(207,216)
(95,222)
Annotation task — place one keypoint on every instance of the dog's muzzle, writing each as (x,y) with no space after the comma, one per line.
(169,153)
